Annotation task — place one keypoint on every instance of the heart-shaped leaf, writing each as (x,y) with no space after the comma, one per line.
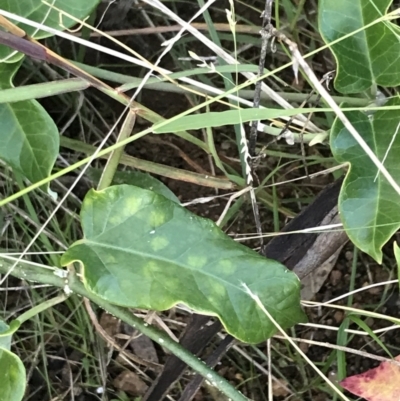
(369,206)
(371,56)
(29,139)
(38,11)
(145,251)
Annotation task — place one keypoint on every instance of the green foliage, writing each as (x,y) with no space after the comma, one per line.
(36,10)
(29,142)
(230,117)
(368,57)
(142,250)
(369,206)
(12,370)
(12,376)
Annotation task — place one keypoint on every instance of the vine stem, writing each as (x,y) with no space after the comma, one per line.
(26,271)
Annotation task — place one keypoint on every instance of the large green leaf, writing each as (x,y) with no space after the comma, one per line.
(369,206)
(367,58)
(12,376)
(143,250)
(29,139)
(37,11)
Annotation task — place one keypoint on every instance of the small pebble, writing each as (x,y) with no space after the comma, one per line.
(338,317)
(335,277)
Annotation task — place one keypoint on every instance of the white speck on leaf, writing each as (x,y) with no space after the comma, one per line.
(61,273)
(67,290)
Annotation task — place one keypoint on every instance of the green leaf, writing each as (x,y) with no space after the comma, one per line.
(371,56)
(230,117)
(12,376)
(12,371)
(142,250)
(37,11)
(29,140)
(138,179)
(369,207)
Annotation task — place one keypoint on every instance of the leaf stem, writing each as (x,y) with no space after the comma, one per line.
(16,323)
(35,273)
(38,91)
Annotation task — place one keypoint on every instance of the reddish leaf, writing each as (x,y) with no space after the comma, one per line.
(379,384)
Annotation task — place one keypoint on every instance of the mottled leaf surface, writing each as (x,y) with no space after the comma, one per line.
(371,56)
(145,251)
(378,384)
(369,206)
